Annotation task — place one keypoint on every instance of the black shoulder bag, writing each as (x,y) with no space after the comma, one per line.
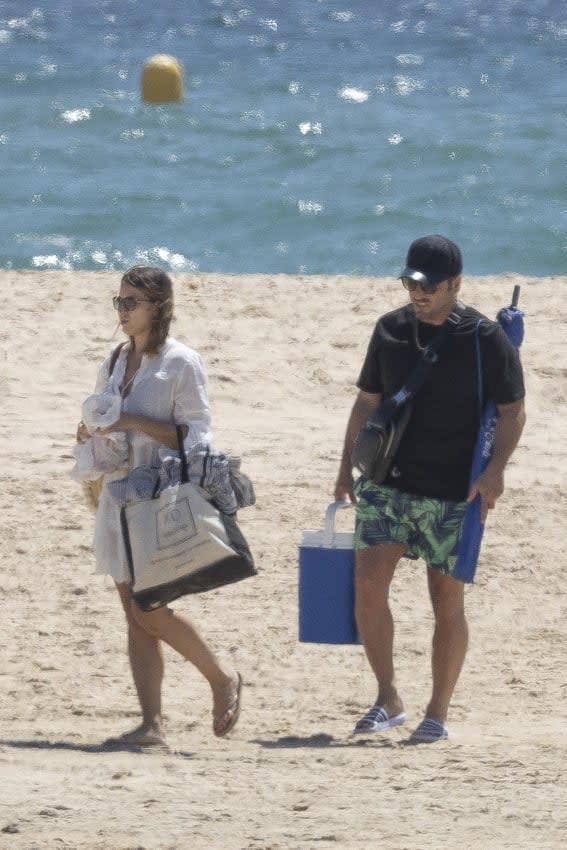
(378,441)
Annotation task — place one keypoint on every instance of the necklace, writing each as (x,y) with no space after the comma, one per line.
(124,389)
(415,328)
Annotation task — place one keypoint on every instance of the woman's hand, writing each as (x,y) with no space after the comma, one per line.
(123,423)
(83,433)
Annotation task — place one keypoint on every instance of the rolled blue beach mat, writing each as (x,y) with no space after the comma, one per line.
(511,319)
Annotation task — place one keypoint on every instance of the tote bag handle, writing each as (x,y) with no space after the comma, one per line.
(182,455)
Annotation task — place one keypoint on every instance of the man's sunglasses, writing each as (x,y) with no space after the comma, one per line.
(411,285)
(128,303)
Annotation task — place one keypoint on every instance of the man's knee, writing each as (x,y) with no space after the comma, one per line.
(369,593)
(374,569)
(447,596)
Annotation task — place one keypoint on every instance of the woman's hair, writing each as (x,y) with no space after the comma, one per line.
(158,288)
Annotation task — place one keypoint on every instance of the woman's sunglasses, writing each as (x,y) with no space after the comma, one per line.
(411,285)
(128,303)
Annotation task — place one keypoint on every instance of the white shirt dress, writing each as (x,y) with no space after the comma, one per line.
(170,387)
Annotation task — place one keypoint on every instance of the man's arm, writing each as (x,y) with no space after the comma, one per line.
(363,406)
(490,484)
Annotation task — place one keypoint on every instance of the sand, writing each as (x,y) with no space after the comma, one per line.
(283,354)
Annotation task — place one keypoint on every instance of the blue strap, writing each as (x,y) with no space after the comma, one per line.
(388,407)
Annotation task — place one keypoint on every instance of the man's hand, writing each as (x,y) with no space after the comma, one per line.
(344,488)
(363,406)
(489,486)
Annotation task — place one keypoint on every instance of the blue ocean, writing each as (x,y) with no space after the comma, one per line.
(314,137)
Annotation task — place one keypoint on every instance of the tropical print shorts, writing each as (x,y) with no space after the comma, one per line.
(431,528)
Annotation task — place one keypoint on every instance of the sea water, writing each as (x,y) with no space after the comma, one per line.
(314,137)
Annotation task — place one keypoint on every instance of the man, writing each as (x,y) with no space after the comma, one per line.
(418,510)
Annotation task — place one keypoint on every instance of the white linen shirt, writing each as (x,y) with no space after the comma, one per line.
(170,387)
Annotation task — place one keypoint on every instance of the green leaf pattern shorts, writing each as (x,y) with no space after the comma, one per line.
(431,528)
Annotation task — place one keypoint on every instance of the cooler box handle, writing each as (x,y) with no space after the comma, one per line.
(330,514)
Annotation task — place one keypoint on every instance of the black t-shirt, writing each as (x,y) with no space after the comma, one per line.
(435,455)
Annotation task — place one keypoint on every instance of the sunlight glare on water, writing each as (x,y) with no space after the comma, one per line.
(310,138)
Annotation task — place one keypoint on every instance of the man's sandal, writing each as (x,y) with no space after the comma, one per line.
(377,719)
(428,732)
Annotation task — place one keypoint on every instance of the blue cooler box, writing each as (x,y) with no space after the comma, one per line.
(326,584)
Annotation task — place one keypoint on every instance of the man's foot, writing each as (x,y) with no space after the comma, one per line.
(143,736)
(428,732)
(377,719)
(226,706)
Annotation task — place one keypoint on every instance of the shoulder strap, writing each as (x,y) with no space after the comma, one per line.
(182,455)
(114,358)
(429,356)
(480,383)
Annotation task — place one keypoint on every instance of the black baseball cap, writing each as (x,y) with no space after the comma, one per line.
(433,259)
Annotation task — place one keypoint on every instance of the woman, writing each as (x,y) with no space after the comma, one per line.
(162,384)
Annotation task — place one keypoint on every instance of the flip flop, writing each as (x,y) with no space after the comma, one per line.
(132,741)
(428,732)
(234,706)
(377,719)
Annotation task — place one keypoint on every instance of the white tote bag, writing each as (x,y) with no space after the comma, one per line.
(179,543)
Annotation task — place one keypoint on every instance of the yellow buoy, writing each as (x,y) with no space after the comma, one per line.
(162,79)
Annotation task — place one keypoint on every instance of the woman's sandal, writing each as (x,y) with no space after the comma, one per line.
(221,728)
(137,739)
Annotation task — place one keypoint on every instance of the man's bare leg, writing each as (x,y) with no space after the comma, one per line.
(450,640)
(375,568)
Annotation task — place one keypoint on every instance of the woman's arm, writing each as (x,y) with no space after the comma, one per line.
(105,371)
(161,432)
(191,403)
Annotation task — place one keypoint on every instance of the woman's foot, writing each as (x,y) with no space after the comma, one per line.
(226,706)
(146,735)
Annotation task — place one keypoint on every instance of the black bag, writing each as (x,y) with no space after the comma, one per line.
(378,441)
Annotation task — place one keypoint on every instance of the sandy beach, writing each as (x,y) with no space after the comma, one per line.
(282,354)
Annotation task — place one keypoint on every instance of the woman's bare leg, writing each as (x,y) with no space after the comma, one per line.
(145,631)
(146,663)
(180,633)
